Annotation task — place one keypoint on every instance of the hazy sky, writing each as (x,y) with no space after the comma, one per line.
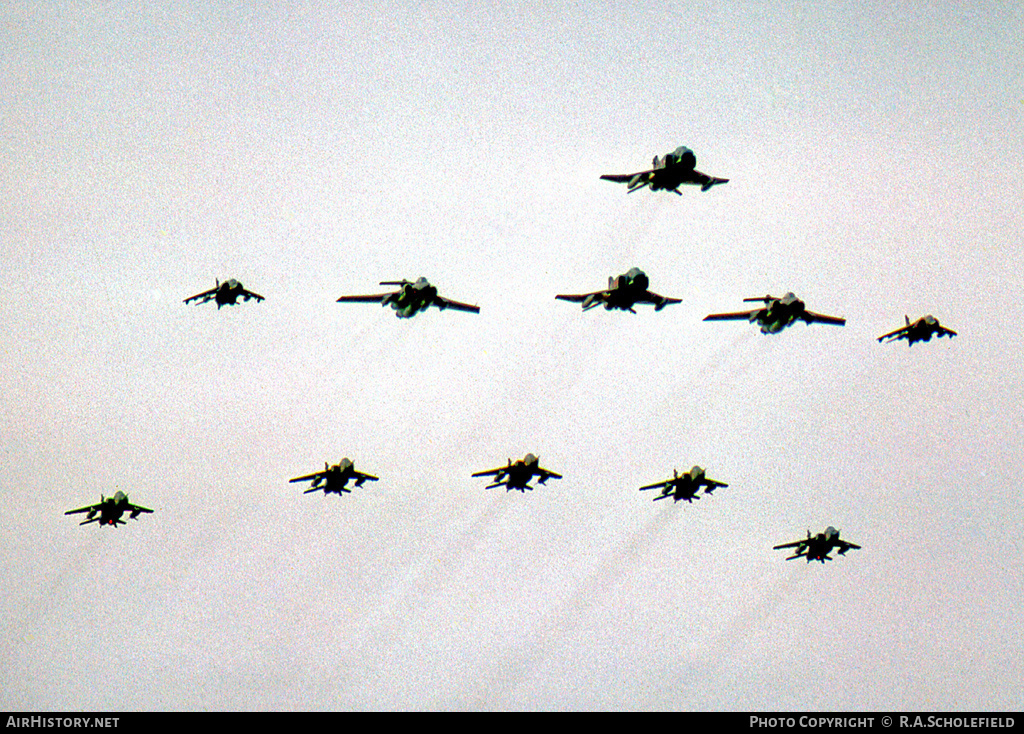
(311,150)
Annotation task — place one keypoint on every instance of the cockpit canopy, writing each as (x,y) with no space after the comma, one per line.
(681,156)
(637,278)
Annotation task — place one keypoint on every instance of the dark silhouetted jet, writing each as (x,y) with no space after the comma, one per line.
(334,478)
(226,294)
(410,298)
(921,330)
(110,510)
(777,314)
(519,474)
(668,174)
(623,293)
(818,547)
(685,487)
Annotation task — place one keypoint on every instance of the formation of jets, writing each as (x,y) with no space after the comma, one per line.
(624,292)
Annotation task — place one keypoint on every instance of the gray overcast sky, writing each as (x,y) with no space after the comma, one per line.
(313,149)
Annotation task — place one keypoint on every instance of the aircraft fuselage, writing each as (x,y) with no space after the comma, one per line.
(412,298)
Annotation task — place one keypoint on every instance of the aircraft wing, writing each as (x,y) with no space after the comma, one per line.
(943,331)
(491,472)
(711,485)
(364,477)
(89,509)
(205,296)
(589,300)
(706,182)
(579,297)
(316,475)
(135,510)
(844,546)
(794,544)
(897,334)
(443,303)
(737,316)
(661,301)
(544,475)
(364,299)
(816,318)
(625,177)
(249,294)
(658,485)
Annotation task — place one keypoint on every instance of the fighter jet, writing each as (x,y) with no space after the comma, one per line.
(623,293)
(668,174)
(410,298)
(110,510)
(921,330)
(334,478)
(817,548)
(226,293)
(777,314)
(685,487)
(519,474)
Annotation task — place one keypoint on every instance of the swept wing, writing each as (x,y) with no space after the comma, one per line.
(246,295)
(735,316)
(816,318)
(443,303)
(589,300)
(205,296)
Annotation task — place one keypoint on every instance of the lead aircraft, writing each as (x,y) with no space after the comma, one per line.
(110,510)
(334,478)
(667,174)
(685,486)
(519,474)
(623,293)
(226,294)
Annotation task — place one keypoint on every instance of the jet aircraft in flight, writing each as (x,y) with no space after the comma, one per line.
(667,174)
(226,293)
(519,474)
(334,478)
(685,487)
(623,293)
(818,547)
(921,330)
(410,298)
(110,510)
(777,314)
